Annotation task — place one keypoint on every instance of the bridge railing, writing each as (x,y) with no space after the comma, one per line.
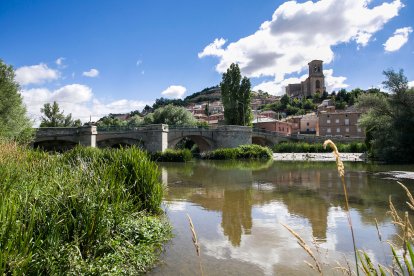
(118,128)
(273,133)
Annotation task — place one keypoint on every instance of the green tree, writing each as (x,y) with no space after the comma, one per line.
(14,123)
(135,121)
(236,97)
(53,117)
(173,115)
(389,120)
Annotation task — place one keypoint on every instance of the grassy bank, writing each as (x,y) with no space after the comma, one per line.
(241,152)
(88,211)
(356,147)
(173,155)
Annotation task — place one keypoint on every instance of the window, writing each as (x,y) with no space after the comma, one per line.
(317,84)
(338,129)
(307,123)
(347,129)
(328,130)
(337,121)
(359,129)
(347,122)
(328,121)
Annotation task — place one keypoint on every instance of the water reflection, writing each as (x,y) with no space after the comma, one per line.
(238,209)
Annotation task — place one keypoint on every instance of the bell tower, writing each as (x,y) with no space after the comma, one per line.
(316,79)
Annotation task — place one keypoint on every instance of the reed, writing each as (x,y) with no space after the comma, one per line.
(196,243)
(341,171)
(87,211)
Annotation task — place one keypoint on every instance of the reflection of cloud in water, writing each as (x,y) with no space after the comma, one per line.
(175,206)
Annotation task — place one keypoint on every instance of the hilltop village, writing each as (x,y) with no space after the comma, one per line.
(306,108)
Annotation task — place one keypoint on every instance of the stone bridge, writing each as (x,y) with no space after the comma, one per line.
(160,137)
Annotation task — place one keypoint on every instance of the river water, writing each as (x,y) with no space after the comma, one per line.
(238,209)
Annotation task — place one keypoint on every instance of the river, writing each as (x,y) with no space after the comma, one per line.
(238,209)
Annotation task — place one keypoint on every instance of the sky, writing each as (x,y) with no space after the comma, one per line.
(96,57)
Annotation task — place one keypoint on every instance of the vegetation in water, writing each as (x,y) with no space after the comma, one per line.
(317,147)
(88,211)
(173,155)
(241,152)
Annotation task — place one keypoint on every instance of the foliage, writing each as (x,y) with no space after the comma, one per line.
(52,117)
(172,115)
(14,123)
(88,211)
(241,152)
(317,147)
(173,155)
(164,102)
(236,97)
(111,120)
(207,94)
(389,120)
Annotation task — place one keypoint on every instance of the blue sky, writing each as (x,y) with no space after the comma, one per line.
(97,57)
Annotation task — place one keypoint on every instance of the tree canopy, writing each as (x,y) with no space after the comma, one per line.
(171,115)
(389,120)
(53,117)
(14,123)
(236,97)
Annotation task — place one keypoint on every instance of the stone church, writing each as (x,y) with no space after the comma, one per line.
(315,82)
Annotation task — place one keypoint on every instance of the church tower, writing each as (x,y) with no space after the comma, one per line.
(316,79)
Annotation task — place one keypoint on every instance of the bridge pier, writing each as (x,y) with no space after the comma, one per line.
(87,136)
(230,136)
(156,138)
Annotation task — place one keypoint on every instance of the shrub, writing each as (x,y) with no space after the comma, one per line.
(171,155)
(241,152)
(317,147)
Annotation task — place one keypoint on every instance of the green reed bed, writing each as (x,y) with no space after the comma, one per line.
(301,147)
(173,155)
(87,211)
(241,152)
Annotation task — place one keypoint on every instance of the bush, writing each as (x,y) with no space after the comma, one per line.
(241,152)
(171,155)
(317,147)
(72,213)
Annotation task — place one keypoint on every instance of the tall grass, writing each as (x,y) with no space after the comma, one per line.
(241,152)
(317,147)
(87,211)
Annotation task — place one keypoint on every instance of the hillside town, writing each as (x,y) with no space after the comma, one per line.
(323,118)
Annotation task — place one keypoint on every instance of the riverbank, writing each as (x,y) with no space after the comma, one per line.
(84,212)
(352,157)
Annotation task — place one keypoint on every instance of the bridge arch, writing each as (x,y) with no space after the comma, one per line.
(262,141)
(119,142)
(55,145)
(203,143)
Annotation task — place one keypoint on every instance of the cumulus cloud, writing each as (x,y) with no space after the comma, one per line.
(411,84)
(174,91)
(77,99)
(299,33)
(400,37)
(91,73)
(36,74)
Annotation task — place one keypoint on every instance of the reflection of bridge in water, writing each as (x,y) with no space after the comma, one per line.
(305,192)
(160,137)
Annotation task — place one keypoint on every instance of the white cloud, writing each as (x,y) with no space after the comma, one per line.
(411,84)
(91,73)
(77,99)
(36,74)
(278,87)
(299,33)
(139,62)
(213,49)
(174,91)
(59,61)
(395,42)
